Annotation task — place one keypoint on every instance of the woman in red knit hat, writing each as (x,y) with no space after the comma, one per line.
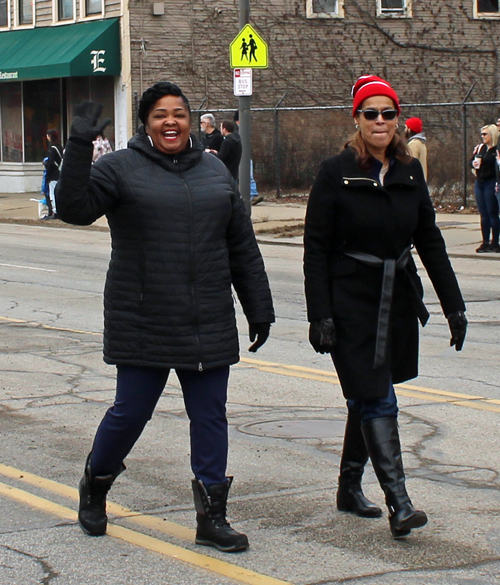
(368,206)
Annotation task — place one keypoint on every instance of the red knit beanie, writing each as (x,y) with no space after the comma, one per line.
(368,86)
(414,124)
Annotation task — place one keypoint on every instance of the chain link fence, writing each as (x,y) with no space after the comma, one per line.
(289,143)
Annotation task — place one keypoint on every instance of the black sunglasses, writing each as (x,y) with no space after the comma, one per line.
(374,114)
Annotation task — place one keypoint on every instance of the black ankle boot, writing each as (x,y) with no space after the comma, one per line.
(382,439)
(350,497)
(93,491)
(213,529)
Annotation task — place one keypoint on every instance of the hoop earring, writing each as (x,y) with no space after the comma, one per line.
(150,140)
(190,142)
(397,126)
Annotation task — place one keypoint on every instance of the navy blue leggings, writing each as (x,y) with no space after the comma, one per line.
(487,205)
(377,408)
(138,390)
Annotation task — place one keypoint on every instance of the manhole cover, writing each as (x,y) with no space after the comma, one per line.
(305,428)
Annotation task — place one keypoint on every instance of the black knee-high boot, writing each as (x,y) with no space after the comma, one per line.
(93,491)
(213,528)
(350,497)
(382,440)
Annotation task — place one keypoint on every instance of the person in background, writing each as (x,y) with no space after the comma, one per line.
(484,166)
(101,147)
(415,141)
(52,164)
(368,207)
(181,240)
(230,151)
(212,137)
(255,198)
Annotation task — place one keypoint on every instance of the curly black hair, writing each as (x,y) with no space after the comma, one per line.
(154,93)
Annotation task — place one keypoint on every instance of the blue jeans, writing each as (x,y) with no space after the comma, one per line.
(376,408)
(138,390)
(487,205)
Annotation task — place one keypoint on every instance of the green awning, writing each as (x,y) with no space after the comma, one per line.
(74,50)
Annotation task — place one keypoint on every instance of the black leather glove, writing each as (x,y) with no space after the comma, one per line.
(85,124)
(259,331)
(322,335)
(458,327)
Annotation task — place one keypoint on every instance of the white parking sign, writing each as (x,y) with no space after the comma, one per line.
(243,81)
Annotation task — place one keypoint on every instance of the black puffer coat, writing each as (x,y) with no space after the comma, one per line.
(351,212)
(180,239)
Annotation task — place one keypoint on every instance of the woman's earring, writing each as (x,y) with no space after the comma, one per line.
(397,125)
(150,140)
(190,142)
(357,126)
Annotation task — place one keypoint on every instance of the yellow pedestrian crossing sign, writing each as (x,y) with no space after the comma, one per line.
(248,49)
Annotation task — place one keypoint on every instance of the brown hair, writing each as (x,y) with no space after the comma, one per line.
(228,125)
(397,148)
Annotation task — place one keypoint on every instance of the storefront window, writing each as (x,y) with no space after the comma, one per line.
(10,107)
(42,111)
(65,9)
(102,90)
(25,12)
(3,13)
(98,89)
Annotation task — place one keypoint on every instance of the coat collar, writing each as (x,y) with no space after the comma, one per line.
(399,173)
(175,163)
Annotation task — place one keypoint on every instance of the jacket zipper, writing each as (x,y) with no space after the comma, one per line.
(192,266)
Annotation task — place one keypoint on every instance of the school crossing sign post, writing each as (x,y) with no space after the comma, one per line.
(247,52)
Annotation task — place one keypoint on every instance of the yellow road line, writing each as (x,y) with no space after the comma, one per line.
(152,522)
(201,561)
(408,390)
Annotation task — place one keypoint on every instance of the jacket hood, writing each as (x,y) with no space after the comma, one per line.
(420,136)
(235,136)
(178,162)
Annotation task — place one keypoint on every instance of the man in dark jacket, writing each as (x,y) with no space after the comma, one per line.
(230,151)
(212,137)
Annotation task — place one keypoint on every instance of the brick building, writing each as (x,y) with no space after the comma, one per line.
(53,53)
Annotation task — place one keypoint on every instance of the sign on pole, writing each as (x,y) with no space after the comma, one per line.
(248,49)
(242,82)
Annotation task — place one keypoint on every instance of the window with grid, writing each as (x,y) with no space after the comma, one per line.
(393,7)
(324,8)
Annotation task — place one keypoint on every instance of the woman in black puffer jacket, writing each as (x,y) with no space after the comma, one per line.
(180,240)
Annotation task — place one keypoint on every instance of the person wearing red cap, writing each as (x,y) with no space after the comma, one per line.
(368,206)
(415,141)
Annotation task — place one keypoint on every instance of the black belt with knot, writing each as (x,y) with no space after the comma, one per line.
(384,312)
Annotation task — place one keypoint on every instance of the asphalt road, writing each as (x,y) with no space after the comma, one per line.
(286,418)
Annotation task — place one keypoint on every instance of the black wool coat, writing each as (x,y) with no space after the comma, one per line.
(180,239)
(348,211)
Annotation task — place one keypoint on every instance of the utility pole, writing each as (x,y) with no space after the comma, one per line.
(244,104)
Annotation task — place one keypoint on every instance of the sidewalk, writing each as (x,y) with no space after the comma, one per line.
(274,223)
